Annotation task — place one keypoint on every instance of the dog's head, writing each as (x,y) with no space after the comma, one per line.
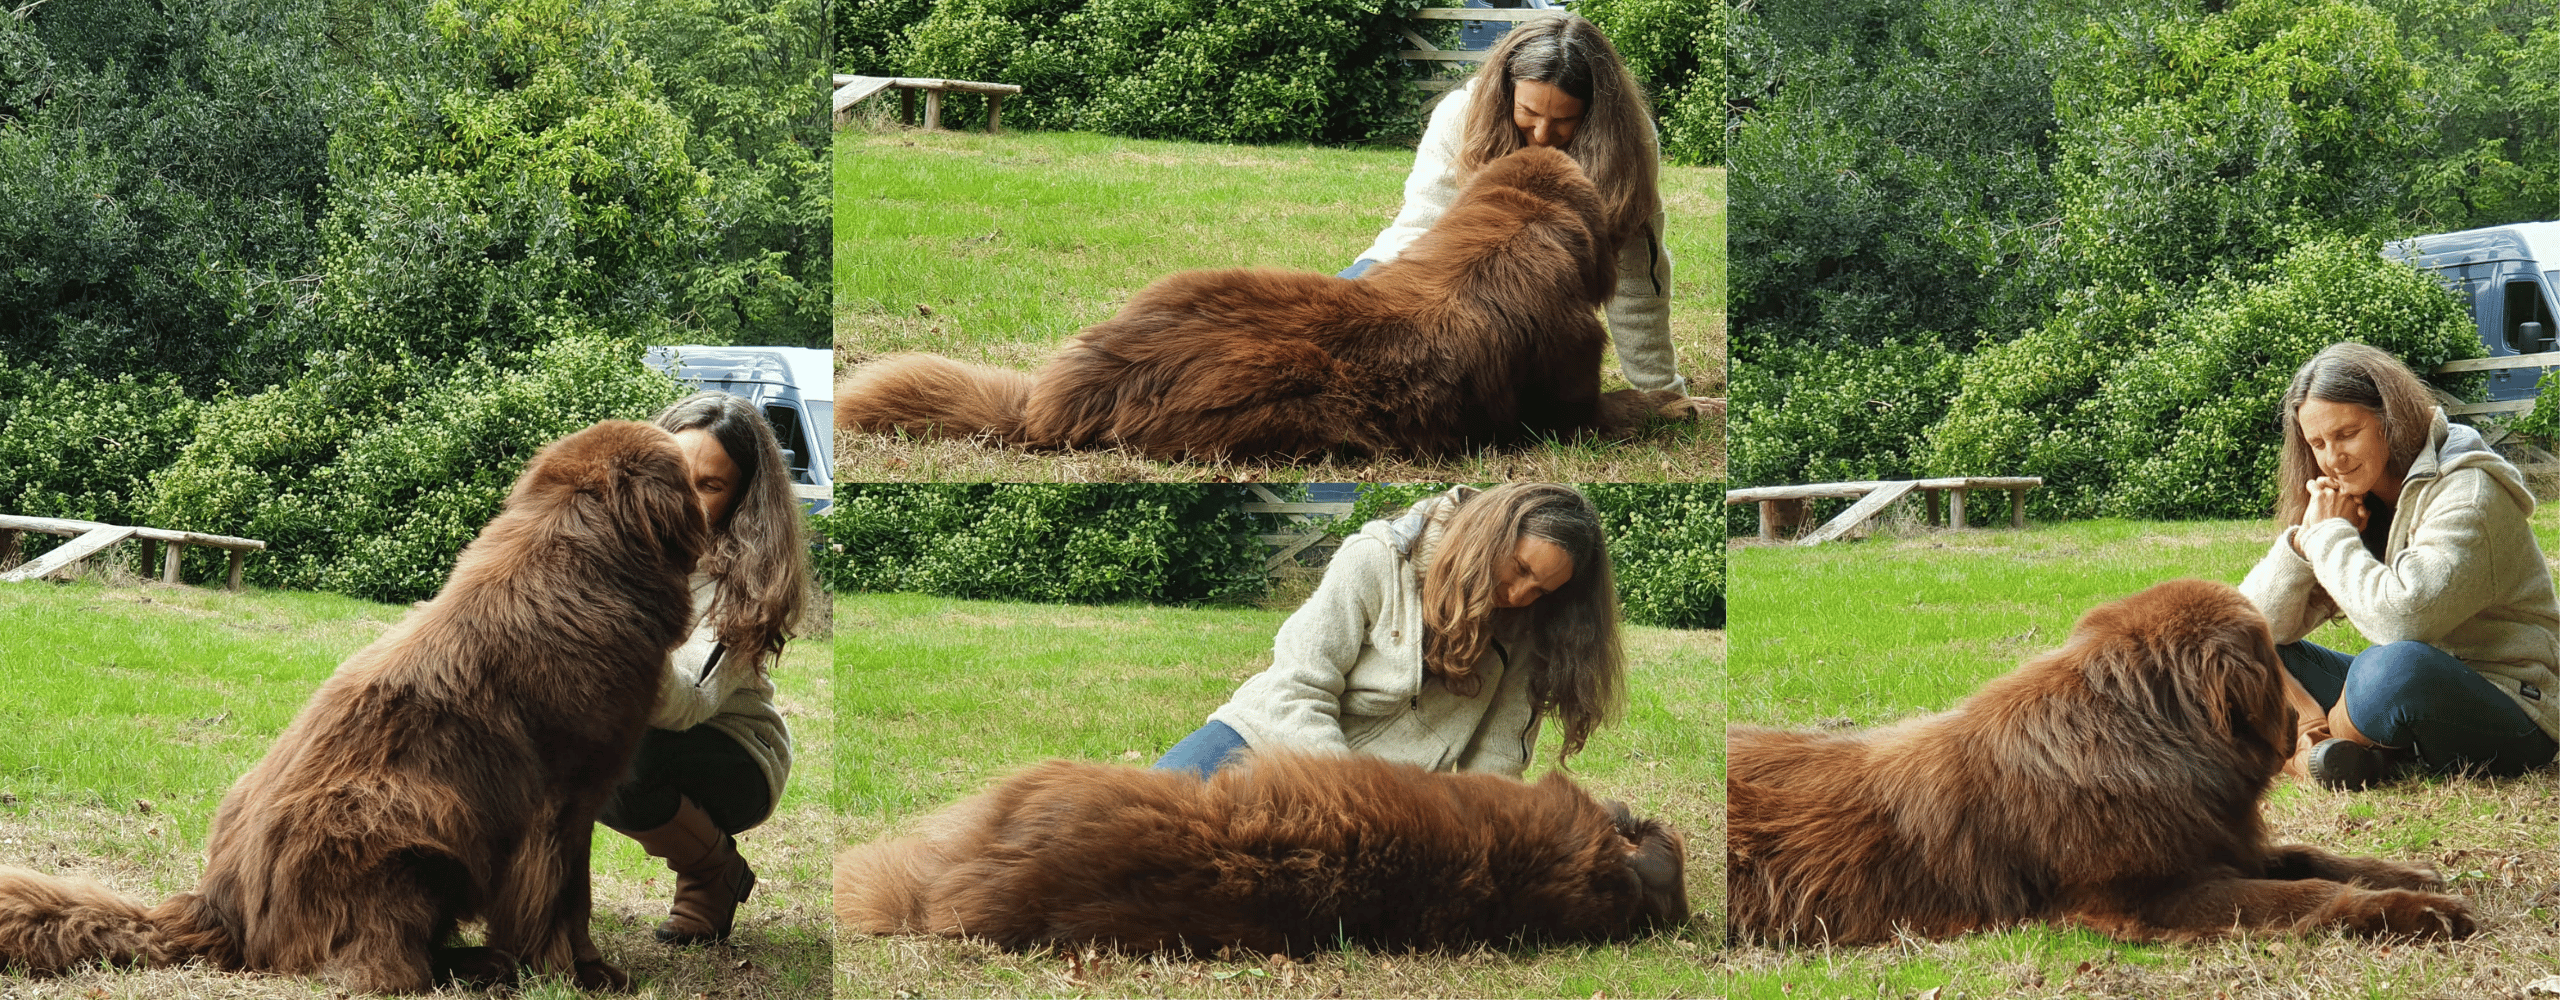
(618,484)
(2196,655)
(1655,857)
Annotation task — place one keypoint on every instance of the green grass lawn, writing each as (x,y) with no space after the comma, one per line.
(1909,622)
(994,249)
(941,697)
(133,708)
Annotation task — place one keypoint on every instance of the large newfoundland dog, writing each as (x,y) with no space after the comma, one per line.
(450,771)
(2112,783)
(1483,333)
(1284,854)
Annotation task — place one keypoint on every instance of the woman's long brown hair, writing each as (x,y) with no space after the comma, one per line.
(760,556)
(1581,674)
(2367,377)
(1614,142)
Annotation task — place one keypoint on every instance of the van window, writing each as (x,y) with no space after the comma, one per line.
(2525,304)
(786,429)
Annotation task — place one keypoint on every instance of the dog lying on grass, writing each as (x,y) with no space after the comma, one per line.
(1286,854)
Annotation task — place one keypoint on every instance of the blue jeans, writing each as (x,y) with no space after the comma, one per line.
(2410,693)
(1356,267)
(1204,751)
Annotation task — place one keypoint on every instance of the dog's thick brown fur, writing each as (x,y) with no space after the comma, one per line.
(1284,853)
(2113,783)
(1484,332)
(450,771)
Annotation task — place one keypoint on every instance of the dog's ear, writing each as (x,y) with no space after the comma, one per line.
(1656,860)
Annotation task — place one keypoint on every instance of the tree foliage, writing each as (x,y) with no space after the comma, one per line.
(2046,237)
(1074,543)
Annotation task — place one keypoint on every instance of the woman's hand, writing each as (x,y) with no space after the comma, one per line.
(2329,498)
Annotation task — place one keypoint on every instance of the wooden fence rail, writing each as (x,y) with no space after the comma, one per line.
(88,538)
(1301,514)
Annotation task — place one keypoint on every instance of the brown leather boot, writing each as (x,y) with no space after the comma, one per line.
(2310,723)
(711,879)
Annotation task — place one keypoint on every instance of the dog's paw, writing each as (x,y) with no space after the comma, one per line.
(477,967)
(1691,408)
(2414,914)
(596,975)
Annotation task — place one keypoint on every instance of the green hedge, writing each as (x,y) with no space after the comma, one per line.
(1071,543)
(1207,70)
(78,446)
(1676,49)
(366,477)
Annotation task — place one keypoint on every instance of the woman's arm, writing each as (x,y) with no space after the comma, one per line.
(2284,589)
(1508,735)
(1297,701)
(2448,572)
(1432,186)
(1640,314)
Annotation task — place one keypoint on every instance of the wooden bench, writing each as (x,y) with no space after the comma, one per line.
(88,538)
(1785,505)
(851,89)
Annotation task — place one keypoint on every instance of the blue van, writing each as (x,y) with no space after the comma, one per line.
(2508,275)
(794,386)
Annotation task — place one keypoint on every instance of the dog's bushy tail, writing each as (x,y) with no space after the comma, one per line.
(929,396)
(52,924)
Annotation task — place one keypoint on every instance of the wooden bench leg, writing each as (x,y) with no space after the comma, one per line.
(236,554)
(2018,509)
(995,111)
(1955,509)
(932,110)
(148,551)
(1935,515)
(907,107)
(1769,520)
(9,555)
(169,568)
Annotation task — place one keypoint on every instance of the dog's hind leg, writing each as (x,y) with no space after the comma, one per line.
(2210,907)
(386,937)
(2301,861)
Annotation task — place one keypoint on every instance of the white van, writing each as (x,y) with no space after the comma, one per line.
(2508,275)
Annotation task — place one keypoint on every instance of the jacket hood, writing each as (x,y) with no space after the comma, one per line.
(2452,447)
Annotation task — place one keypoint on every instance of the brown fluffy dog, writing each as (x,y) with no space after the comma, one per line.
(1482,333)
(452,770)
(1284,853)
(2112,783)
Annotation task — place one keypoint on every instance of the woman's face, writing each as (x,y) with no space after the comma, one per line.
(1545,114)
(2348,444)
(715,477)
(1536,568)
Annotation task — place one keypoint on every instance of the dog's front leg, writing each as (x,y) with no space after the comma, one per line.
(576,909)
(2299,861)
(2216,905)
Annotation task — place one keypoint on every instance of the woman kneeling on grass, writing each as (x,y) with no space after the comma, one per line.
(1441,637)
(1557,82)
(2415,532)
(716,754)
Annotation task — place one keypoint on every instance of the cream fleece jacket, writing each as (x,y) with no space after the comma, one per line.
(2460,572)
(733,699)
(1346,675)
(1639,315)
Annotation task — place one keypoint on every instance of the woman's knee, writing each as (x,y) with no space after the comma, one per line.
(2401,671)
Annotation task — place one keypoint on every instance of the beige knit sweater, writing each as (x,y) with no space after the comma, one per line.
(1639,315)
(735,699)
(1346,675)
(2460,572)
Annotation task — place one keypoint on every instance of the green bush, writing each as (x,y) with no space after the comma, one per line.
(1071,543)
(78,446)
(1816,415)
(2170,412)
(1210,70)
(366,477)
(1676,49)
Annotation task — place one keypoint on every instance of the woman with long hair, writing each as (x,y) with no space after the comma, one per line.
(1441,637)
(717,754)
(1557,82)
(2412,529)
